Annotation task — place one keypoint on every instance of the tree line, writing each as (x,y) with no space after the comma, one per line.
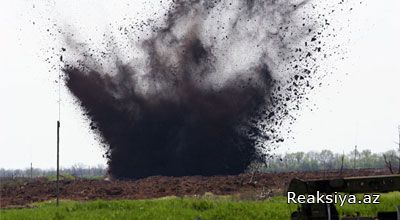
(75,171)
(328,160)
(296,161)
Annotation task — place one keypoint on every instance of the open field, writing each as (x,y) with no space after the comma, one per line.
(22,192)
(207,207)
(244,196)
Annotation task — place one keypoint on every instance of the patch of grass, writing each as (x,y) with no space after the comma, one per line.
(63,176)
(388,202)
(68,176)
(181,208)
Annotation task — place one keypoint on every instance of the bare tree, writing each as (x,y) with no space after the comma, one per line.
(342,164)
(388,163)
(355,157)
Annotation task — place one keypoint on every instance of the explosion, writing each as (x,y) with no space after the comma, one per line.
(204,94)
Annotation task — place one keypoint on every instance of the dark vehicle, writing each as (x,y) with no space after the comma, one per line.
(374,184)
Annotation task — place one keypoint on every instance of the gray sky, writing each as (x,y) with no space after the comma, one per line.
(357,105)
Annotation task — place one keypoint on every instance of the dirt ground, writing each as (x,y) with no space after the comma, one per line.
(22,192)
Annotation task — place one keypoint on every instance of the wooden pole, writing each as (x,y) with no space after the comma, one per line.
(58,162)
(58,137)
(398,158)
(399,138)
(355,156)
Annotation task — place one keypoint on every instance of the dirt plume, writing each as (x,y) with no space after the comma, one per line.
(200,97)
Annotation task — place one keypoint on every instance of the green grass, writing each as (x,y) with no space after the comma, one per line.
(388,202)
(67,176)
(63,176)
(181,208)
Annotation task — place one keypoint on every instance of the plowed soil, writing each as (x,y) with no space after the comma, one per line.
(22,192)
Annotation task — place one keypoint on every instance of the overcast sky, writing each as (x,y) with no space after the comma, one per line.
(357,105)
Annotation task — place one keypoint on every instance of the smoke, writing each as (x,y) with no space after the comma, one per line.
(200,95)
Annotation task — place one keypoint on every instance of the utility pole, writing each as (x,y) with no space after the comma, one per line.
(355,156)
(398,158)
(58,139)
(58,161)
(399,138)
(31,171)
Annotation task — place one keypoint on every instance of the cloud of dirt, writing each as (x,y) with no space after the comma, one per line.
(204,94)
